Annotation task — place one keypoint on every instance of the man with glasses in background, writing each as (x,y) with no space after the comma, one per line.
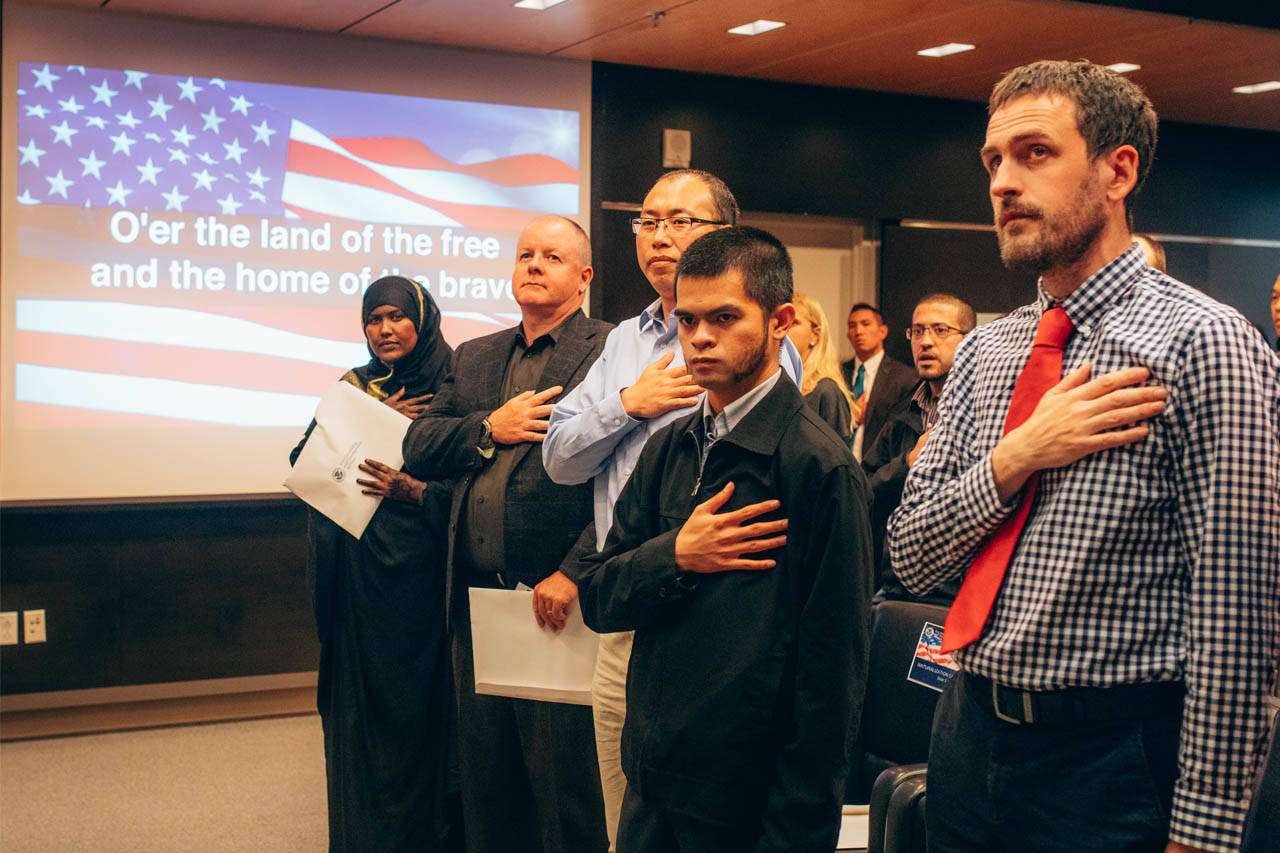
(597,430)
(938,324)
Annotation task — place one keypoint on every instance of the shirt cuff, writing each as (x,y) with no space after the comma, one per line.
(612,415)
(981,492)
(1202,820)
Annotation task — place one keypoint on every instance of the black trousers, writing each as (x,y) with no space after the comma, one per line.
(646,827)
(528,772)
(999,786)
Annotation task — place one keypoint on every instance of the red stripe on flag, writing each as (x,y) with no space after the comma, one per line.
(517,170)
(206,367)
(307,159)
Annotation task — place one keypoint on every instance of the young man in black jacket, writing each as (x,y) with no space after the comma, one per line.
(740,555)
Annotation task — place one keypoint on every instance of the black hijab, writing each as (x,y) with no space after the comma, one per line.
(421,371)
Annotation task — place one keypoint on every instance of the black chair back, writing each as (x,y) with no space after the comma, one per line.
(898,712)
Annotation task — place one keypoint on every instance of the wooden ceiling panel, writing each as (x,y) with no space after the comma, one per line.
(695,37)
(322,15)
(499,25)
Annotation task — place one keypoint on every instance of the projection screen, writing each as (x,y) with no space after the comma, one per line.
(192,212)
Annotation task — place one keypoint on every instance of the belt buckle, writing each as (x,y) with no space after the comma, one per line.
(1026,706)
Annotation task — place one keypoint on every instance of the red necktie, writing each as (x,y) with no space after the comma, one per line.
(972,606)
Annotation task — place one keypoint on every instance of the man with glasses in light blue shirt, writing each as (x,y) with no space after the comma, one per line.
(638,385)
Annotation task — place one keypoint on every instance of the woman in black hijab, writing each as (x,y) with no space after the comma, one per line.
(384,684)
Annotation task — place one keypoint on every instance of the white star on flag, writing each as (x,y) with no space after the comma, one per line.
(160,108)
(179,155)
(147,174)
(217,81)
(39,111)
(189,90)
(211,120)
(31,153)
(257,178)
(240,104)
(45,77)
(63,132)
(58,184)
(203,179)
(230,205)
(183,137)
(70,106)
(102,93)
(128,120)
(96,121)
(134,78)
(234,151)
(262,133)
(173,199)
(123,142)
(92,165)
(118,194)
(27,198)
(206,158)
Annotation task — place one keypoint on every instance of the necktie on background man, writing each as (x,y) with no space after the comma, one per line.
(1043,370)
(858,381)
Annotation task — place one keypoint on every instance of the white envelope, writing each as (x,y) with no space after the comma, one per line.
(351,427)
(514,657)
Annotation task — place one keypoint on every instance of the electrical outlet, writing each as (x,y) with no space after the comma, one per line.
(9,628)
(33,626)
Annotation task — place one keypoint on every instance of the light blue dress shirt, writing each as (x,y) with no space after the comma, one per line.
(590,433)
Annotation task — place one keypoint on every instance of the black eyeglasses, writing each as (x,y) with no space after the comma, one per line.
(675,224)
(938,330)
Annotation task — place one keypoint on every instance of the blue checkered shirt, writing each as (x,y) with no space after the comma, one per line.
(1155,561)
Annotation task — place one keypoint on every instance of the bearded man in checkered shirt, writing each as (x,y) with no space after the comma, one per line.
(1114,698)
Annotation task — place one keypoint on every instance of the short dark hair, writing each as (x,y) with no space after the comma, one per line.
(726,206)
(964,311)
(867,306)
(759,256)
(1110,109)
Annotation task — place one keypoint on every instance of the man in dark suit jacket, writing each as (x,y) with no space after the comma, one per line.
(879,383)
(528,769)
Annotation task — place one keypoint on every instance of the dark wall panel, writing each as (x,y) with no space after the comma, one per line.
(139,594)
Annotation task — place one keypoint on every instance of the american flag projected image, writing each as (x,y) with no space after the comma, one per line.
(194,249)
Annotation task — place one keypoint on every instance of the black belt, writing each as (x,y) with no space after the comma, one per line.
(1076,704)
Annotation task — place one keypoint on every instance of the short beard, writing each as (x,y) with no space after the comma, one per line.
(1063,239)
(750,365)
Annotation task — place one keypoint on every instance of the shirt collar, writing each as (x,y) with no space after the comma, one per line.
(1087,303)
(554,334)
(872,363)
(734,412)
(923,395)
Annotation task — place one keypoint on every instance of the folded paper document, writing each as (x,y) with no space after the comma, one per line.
(514,657)
(350,427)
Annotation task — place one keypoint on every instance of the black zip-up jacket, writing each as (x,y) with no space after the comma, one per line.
(744,687)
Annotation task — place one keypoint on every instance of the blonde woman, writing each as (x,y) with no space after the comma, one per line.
(823,386)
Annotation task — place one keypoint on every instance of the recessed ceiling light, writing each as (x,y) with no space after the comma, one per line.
(537,4)
(1269,86)
(755,28)
(1123,67)
(944,50)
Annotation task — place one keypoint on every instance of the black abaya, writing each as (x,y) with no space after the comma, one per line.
(384,692)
